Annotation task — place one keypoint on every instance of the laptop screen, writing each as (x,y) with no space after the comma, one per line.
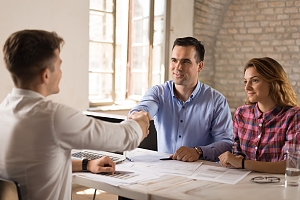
(106,116)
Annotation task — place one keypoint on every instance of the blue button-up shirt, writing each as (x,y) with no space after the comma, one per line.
(203,120)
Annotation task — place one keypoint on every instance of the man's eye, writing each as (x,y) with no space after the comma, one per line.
(245,82)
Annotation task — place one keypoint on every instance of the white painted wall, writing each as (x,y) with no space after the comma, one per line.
(182,19)
(70,19)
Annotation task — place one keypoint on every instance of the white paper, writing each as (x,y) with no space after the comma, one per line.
(219,174)
(152,162)
(118,178)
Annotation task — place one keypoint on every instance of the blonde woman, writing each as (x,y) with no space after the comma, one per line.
(267,125)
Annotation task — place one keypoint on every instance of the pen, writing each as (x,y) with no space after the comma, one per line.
(166,159)
(129,159)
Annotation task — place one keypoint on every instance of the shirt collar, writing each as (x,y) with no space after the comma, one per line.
(267,115)
(28,93)
(195,91)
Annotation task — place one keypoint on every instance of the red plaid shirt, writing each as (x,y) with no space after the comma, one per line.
(266,136)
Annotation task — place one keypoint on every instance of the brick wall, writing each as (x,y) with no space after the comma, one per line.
(235,31)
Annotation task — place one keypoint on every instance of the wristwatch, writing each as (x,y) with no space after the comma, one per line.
(84,164)
(199,151)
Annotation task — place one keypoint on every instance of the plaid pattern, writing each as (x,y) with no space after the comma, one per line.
(266,136)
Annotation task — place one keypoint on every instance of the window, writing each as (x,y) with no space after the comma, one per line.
(126,49)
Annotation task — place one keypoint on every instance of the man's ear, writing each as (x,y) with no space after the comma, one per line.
(200,66)
(45,75)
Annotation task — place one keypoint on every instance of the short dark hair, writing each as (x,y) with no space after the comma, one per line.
(28,52)
(190,41)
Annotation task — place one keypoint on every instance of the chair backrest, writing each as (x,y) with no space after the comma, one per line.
(9,190)
(150,142)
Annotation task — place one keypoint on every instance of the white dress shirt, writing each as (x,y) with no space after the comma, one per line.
(37,136)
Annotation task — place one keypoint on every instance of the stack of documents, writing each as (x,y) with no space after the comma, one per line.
(146,165)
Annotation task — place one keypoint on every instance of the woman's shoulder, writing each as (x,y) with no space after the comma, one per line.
(245,111)
(292,110)
(245,108)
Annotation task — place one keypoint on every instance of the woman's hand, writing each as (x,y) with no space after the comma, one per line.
(227,159)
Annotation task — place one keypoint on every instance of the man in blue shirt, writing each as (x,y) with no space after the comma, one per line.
(193,121)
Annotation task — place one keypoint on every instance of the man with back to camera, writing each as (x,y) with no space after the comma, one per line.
(37,135)
(193,121)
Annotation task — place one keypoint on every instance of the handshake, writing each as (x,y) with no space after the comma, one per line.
(143,119)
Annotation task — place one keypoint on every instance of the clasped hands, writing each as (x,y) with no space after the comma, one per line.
(143,119)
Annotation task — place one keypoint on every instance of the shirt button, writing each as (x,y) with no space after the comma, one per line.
(259,136)
(183,107)
(179,136)
(181,121)
(260,125)
(255,148)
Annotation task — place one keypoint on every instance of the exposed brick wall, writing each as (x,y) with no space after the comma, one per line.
(207,23)
(235,31)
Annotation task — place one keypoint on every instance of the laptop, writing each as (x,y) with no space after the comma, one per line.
(117,157)
(150,142)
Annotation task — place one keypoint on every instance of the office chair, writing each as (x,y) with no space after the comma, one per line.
(9,190)
(150,142)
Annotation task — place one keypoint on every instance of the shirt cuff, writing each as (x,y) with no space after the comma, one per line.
(207,154)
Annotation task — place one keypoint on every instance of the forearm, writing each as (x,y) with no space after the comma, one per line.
(76,165)
(149,103)
(211,152)
(266,167)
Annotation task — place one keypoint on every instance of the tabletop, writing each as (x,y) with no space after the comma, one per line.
(170,186)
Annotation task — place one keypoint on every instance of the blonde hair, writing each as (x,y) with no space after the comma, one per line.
(281,90)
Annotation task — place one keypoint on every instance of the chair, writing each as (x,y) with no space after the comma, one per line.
(150,142)
(9,190)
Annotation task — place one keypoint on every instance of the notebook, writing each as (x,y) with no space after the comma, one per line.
(117,157)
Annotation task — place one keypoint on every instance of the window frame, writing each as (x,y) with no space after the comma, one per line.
(164,73)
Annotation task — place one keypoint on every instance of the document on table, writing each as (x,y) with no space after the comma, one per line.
(152,163)
(219,174)
(118,178)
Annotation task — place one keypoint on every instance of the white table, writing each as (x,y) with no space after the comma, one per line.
(178,187)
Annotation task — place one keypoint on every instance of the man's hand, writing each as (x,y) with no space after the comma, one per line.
(104,164)
(227,159)
(185,154)
(143,118)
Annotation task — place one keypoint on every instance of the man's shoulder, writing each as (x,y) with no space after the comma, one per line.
(49,106)
(164,87)
(208,90)
(167,84)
